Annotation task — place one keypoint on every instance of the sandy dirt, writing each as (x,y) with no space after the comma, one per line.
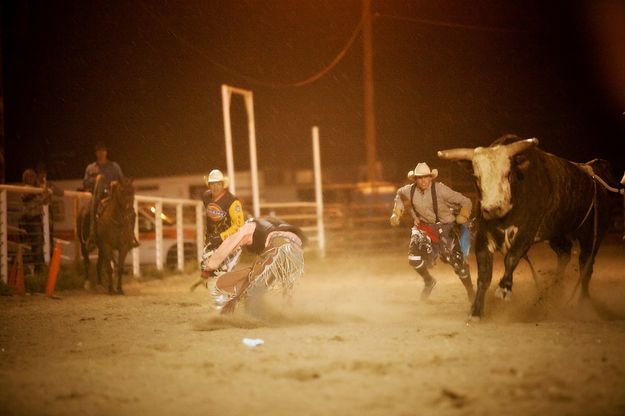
(356,341)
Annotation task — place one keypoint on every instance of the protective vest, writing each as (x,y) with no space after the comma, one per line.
(217,213)
(266,226)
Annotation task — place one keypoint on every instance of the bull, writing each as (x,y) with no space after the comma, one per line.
(526,196)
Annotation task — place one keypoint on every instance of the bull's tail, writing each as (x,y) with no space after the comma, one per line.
(619,190)
(601,171)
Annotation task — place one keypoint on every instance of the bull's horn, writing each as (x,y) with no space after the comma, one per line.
(521,146)
(456,154)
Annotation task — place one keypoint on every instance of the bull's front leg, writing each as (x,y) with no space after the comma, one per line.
(511,260)
(484,259)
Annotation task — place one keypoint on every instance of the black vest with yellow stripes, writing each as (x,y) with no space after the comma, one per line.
(217,213)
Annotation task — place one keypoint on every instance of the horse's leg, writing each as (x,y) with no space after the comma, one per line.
(109,267)
(84,250)
(85,263)
(105,254)
(121,257)
(99,267)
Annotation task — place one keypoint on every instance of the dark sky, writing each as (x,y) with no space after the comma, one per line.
(145,77)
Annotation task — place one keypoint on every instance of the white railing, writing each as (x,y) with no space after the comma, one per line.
(301,214)
(158,225)
(4,226)
(304,214)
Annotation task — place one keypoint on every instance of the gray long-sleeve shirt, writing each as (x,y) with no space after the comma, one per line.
(447,198)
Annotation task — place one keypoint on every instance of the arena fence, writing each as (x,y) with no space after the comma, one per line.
(189,239)
(305,215)
(170,230)
(29,231)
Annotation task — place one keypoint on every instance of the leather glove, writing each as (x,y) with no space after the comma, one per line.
(463,216)
(394,220)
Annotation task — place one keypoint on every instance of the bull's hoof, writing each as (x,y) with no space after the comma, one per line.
(475,314)
(503,293)
(118,292)
(87,285)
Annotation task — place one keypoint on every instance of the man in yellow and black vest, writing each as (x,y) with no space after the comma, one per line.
(224,212)
(224,217)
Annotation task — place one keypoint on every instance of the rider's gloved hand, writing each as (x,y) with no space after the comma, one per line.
(463,216)
(394,220)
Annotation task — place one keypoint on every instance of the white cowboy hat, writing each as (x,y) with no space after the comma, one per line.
(422,169)
(216,175)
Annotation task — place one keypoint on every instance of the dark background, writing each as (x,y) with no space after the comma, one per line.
(145,76)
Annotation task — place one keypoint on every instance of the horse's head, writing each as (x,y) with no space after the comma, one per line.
(123,193)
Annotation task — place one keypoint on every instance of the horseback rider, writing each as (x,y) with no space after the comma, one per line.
(434,232)
(108,171)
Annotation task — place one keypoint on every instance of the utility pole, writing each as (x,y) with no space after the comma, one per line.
(369,109)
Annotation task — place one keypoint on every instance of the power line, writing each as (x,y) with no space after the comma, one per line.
(334,62)
(450,24)
(309,80)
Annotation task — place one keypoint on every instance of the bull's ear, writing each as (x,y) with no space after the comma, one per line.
(521,162)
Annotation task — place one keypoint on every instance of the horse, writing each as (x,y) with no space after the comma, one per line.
(108,225)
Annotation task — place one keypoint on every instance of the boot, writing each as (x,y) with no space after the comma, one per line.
(219,297)
(427,288)
(428,282)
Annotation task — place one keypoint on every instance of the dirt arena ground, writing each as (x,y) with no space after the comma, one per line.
(356,341)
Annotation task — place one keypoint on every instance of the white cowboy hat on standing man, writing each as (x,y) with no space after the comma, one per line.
(422,169)
(216,175)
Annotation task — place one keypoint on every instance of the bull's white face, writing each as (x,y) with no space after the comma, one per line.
(491,167)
